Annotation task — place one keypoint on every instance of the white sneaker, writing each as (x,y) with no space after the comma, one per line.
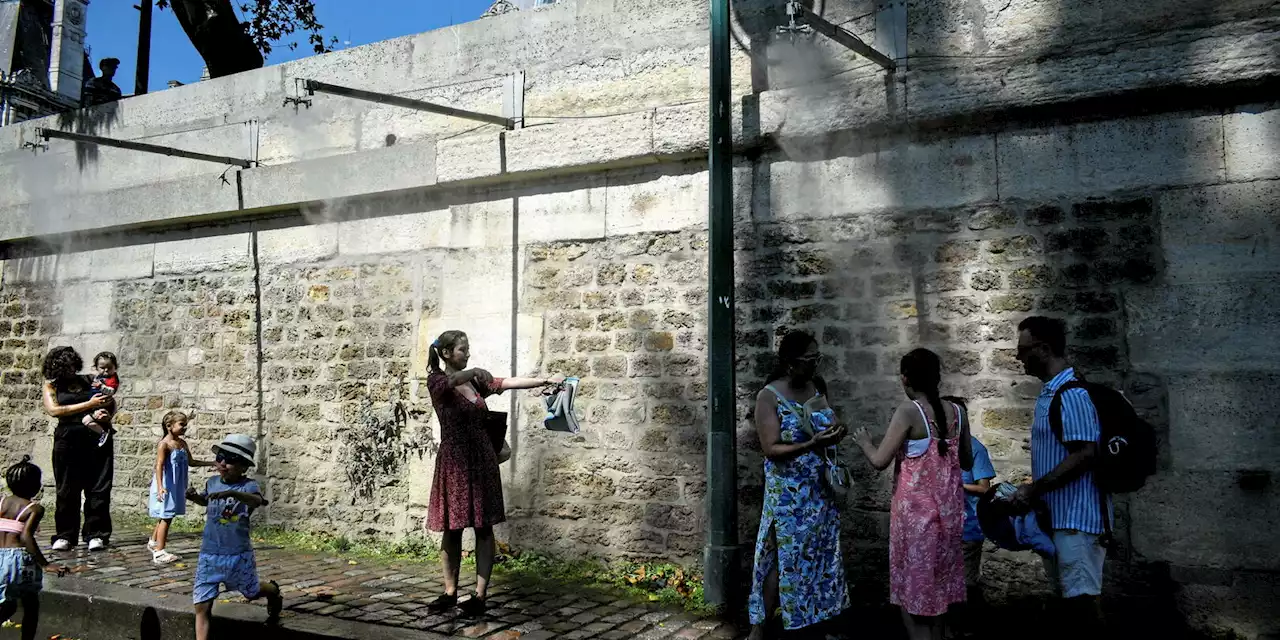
(163,557)
(151,545)
(97,544)
(61,544)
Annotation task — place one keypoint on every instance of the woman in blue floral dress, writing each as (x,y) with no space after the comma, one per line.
(799,569)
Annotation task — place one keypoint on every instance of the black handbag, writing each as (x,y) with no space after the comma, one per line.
(495,426)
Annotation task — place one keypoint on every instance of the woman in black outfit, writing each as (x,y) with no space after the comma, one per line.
(79,464)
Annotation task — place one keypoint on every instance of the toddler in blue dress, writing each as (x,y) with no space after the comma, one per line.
(169,486)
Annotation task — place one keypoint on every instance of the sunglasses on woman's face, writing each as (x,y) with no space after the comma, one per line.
(812,358)
(230,458)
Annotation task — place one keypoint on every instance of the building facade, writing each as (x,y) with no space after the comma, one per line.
(43,58)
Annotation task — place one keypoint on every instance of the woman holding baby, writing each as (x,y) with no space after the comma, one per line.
(83,461)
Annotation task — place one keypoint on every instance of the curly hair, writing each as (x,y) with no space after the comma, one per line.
(61,363)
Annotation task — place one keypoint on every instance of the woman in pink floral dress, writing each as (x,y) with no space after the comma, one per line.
(929,440)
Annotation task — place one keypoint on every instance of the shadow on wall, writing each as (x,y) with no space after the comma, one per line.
(94,121)
(946,240)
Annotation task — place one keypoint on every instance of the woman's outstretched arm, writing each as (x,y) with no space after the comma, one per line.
(511,384)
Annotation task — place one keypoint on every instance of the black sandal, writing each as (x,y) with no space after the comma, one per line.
(473,607)
(444,603)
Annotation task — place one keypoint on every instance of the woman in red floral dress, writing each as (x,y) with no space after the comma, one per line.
(467,490)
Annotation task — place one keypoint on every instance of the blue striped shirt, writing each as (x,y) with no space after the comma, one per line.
(1074,506)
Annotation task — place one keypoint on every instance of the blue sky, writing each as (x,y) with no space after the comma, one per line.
(113,32)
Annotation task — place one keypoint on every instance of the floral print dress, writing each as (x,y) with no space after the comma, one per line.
(806,527)
(926,524)
(467,489)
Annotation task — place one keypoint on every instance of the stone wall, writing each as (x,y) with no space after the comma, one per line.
(31,315)
(627,315)
(1109,166)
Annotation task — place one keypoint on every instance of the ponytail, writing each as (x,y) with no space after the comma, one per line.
(923,370)
(940,419)
(446,342)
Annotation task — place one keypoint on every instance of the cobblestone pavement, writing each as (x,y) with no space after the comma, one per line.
(396,593)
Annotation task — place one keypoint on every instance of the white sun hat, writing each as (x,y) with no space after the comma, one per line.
(237,444)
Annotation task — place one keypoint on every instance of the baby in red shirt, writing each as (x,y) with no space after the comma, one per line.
(106,383)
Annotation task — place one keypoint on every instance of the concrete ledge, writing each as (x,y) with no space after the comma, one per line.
(89,610)
(366,172)
(144,204)
(105,265)
(581,142)
(1027,159)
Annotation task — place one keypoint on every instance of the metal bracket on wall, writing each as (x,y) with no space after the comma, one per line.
(513,99)
(296,99)
(801,19)
(891,29)
(314,86)
(46,134)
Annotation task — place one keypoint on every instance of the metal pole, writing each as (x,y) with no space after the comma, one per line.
(144,48)
(311,86)
(141,146)
(721,559)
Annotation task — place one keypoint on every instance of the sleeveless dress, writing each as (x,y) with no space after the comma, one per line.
(467,489)
(175,484)
(806,524)
(926,524)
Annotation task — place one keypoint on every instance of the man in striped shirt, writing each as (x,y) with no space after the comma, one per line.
(1061,477)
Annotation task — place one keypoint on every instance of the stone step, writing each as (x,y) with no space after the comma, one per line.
(88,610)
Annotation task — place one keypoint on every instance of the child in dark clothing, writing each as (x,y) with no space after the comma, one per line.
(977,481)
(106,383)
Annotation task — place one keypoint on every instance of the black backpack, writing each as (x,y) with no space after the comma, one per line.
(1126,444)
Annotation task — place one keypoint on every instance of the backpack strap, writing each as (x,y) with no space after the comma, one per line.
(1055,406)
(1055,425)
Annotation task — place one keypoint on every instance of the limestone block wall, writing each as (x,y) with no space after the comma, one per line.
(1110,165)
